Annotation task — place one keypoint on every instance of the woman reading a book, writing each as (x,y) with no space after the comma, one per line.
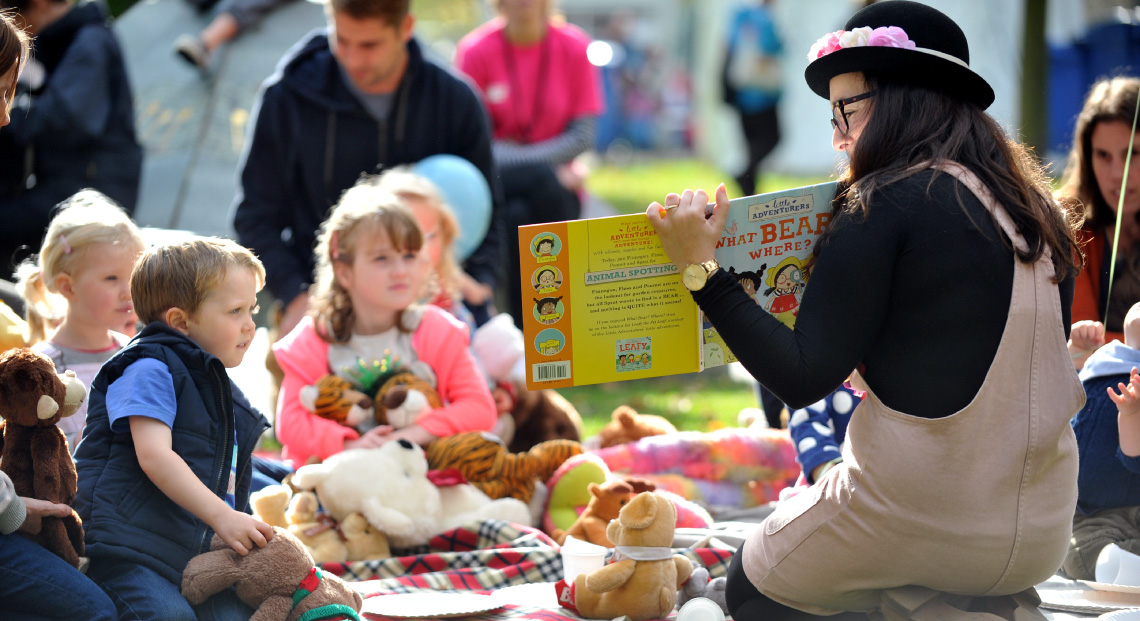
(945,281)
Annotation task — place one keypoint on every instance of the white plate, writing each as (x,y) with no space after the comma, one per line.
(535,595)
(1117,588)
(1086,600)
(1132,614)
(435,605)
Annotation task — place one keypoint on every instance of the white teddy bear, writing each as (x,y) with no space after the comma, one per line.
(389,486)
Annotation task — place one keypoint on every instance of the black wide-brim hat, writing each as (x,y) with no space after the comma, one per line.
(940,60)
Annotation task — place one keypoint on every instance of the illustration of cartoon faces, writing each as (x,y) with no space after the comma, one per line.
(645,358)
(544,246)
(750,281)
(785,285)
(621,360)
(547,279)
(548,310)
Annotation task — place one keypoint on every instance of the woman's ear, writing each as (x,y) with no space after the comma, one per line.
(178,319)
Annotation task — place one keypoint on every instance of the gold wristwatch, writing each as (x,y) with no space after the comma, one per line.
(695,275)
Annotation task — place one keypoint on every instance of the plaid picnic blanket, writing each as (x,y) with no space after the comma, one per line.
(482,557)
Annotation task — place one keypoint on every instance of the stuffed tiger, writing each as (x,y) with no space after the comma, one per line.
(485,462)
(334,398)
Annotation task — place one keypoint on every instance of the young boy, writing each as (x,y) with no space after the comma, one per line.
(1108,440)
(165,457)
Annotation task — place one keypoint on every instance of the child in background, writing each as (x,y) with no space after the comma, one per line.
(446,282)
(165,459)
(371,270)
(85,266)
(1108,440)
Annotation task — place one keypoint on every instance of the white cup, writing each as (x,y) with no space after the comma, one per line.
(700,609)
(1117,566)
(581,557)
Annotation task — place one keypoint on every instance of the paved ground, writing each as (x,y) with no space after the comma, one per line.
(193,127)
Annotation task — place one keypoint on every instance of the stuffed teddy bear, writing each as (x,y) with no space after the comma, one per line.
(33,450)
(629,426)
(643,575)
(363,542)
(276,505)
(391,393)
(542,415)
(699,585)
(351,540)
(605,503)
(280,581)
(569,494)
(388,485)
(487,464)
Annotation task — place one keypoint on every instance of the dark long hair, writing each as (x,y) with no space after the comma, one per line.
(910,126)
(1108,100)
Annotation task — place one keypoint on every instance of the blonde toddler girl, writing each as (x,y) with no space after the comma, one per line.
(77,295)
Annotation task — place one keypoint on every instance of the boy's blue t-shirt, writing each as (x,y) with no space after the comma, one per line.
(146,388)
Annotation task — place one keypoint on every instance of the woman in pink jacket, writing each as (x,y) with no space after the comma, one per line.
(370,271)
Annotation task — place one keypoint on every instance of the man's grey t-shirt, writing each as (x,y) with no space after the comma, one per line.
(377,105)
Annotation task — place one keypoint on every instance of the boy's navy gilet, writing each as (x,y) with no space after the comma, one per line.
(126,517)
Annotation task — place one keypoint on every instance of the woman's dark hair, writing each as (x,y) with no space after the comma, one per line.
(14,47)
(1108,100)
(910,126)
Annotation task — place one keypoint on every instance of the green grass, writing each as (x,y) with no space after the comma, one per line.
(697,401)
(631,188)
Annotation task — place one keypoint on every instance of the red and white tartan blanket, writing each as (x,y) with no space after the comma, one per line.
(482,557)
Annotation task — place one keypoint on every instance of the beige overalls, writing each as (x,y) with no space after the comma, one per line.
(977,503)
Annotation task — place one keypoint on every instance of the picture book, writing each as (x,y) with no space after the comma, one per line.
(603,302)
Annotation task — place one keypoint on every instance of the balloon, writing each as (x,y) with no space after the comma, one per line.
(465,190)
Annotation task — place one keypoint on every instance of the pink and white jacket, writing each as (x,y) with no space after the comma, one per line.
(441,341)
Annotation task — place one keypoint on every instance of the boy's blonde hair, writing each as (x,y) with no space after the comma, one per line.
(85,219)
(407,185)
(1132,327)
(181,274)
(363,209)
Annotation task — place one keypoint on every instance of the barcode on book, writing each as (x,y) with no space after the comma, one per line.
(550,371)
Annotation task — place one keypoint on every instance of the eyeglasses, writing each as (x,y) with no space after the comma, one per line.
(839,114)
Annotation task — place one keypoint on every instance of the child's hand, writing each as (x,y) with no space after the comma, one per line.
(1128,400)
(242,531)
(1085,337)
(373,438)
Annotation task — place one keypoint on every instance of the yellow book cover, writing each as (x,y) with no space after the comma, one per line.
(604,303)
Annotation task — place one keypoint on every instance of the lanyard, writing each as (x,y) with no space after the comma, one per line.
(516,85)
(1120,209)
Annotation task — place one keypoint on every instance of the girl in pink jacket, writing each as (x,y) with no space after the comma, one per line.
(370,271)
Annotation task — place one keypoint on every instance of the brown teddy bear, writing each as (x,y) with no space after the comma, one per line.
(605,503)
(280,581)
(541,415)
(33,450)
(643,576)
(353,539)
(629,426)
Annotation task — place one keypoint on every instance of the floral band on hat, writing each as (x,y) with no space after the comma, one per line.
(883,36)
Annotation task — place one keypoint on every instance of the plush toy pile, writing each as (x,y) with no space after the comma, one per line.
(725,468)
(390,487)
(33,450)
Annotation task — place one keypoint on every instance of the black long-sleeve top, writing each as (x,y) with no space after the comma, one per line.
(918,293)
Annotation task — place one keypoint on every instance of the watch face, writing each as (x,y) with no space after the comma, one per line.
(694,276)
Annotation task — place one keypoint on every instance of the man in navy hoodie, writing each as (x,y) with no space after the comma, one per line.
(356,97)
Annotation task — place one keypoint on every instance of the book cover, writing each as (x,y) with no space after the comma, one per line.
(603,302)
